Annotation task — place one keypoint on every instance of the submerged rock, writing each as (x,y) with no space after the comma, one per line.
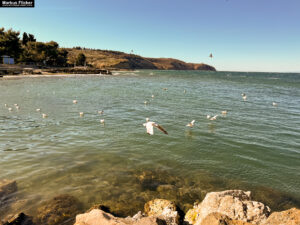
(276,200)
(7,187)
(20,219)
(163,209)
(99,217)
(60,209)
(287,217)
(235,204)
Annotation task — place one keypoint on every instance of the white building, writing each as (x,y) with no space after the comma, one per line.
(7,60)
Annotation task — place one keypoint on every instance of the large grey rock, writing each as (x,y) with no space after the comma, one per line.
(99,217)
(163,209)
(235,204)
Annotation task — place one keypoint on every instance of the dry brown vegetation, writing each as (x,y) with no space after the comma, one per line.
(104,59)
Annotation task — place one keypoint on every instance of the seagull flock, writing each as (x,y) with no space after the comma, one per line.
(149,125)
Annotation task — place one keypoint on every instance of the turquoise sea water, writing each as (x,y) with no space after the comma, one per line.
(256,146)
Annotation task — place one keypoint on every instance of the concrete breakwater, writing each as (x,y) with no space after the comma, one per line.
(231,207)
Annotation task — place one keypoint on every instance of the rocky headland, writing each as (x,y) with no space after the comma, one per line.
(230,207)
(114,60)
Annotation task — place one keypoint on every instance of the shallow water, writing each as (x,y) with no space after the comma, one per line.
(256,146)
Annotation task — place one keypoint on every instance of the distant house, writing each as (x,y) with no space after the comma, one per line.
(7,60)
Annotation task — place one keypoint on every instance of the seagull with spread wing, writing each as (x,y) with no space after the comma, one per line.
(191,124)
(149,127)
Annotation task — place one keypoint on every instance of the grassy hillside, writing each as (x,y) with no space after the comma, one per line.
(104,59)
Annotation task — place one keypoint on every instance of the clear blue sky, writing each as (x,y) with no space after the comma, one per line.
(243,35)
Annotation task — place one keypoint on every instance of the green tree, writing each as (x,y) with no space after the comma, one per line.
(80,60)
(25,38)
(31,38)
(44,54)
(10,43)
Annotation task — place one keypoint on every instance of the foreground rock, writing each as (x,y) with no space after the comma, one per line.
(235,204)
(7,187)
(61,209)
(99,217)
(287,217)
(163,209)
(221,219)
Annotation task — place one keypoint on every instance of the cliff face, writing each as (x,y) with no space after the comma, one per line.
(118,60)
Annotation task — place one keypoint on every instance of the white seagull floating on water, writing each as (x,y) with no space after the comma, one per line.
(44,115)
(274,104)
(244,96)
(81,114)
(75,101)
(149,127)
(191,124)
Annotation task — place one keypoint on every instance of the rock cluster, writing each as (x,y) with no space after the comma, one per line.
(157,212)
(232,207)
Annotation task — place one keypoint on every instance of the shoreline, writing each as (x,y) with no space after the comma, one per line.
(230,207)
(51,75)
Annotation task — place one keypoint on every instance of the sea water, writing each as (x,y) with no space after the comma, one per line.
(255,146)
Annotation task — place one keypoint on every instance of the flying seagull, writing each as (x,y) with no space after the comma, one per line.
(211,118)
(211,55)
(149,127)
(191,124)
(214,117)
